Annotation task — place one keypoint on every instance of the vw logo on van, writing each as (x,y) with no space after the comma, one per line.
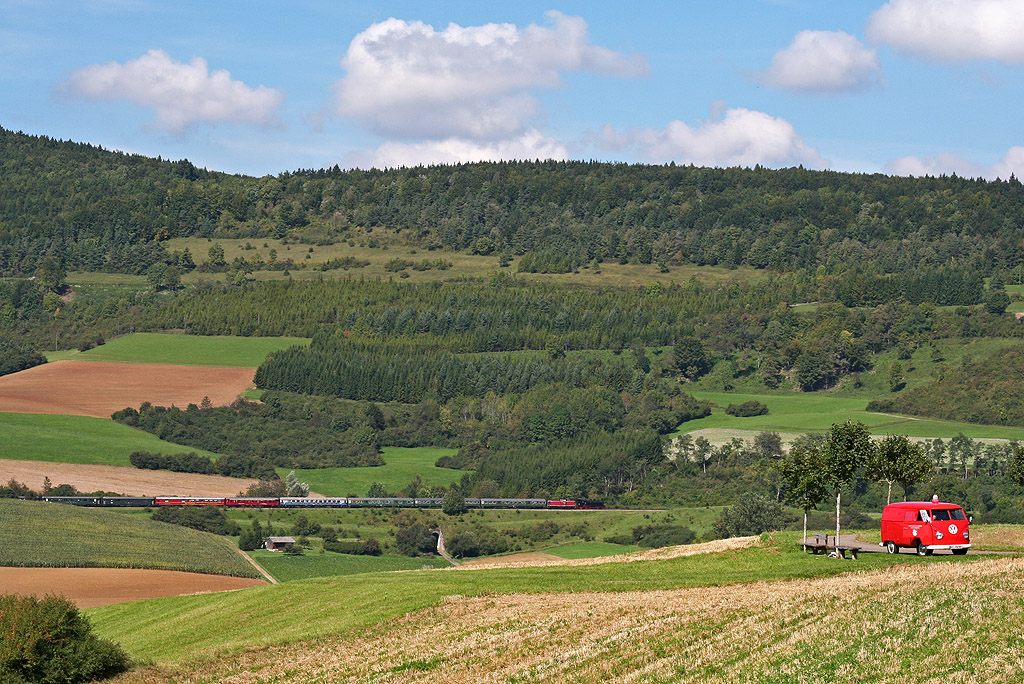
(953,529)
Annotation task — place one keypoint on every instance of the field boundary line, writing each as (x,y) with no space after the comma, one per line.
(270,578)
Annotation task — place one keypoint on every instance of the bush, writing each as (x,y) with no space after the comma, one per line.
(415,539)
(48,640)
(202,518)
(747,409)
(752,514)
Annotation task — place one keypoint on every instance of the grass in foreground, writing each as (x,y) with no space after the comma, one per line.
(77,439)
(165,629)
(222,351)
(402,465)
(38,534)
(934,621)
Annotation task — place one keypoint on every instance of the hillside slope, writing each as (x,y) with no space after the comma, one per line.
(39,534)
(687,620)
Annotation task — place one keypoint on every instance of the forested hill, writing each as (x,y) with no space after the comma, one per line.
(99,210)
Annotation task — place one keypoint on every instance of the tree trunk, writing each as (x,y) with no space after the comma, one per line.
(839,498)
(805,531)
(888,497)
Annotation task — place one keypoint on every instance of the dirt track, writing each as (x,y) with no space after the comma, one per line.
(120,479)
(90,587)
(98,389)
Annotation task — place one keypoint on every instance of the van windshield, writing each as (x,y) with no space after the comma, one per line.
(948,514)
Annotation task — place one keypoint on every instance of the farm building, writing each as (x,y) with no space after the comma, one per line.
(277,543)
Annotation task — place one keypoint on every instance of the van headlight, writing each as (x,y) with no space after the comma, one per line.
(967,534)
(938,535)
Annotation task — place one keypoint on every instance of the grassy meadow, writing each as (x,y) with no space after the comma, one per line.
(285,568)
(221,351)
(77,439)
(340,608)
(463,265)
(402,465)
(796,414)
(39,534)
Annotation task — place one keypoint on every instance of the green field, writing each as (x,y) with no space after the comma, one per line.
(164,629)
(463,265)
(38,534)
(591,550)
(186,350)
(77,439)
(402,465)
(815,412)
(313,563)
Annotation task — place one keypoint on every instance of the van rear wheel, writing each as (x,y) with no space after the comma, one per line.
(890,547)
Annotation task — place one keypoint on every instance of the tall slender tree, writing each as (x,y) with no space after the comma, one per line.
(848,448)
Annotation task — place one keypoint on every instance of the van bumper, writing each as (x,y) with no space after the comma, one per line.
(947,547)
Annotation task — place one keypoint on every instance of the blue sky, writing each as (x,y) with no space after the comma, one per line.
(257,87)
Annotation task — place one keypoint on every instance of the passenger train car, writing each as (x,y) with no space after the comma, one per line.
(321,502)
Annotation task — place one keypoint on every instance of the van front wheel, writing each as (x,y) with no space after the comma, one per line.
(959,552)
(890,547)
(921,551)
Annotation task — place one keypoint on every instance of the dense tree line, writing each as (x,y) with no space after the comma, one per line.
(231,465)
(256,437)
(99,210)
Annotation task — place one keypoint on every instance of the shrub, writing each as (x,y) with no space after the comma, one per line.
(752,514)
(747,409)
(48,640)
(202,518)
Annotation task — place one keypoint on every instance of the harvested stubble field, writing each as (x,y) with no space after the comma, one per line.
(91,587)
(98,389)
(934,622)
(46,535)
(121,479)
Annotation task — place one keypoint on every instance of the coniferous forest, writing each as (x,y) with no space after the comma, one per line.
(544,388)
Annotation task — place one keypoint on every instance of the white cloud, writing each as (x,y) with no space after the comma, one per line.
(947,163)
(731,137)
(952,29)
(408,80)
(823,61)
(530,145)
(180,94)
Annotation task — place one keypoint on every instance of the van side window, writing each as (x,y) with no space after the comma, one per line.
(922,516)
(941,514)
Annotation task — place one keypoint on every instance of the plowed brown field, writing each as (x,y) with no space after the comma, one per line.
(90,587)
(121,479)
(98,389)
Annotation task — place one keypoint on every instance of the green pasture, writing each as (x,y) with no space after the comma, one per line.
(594,549)
(402,465)
(316,563)
(186,350)
(463,265)
(77,439)
(800,413)
(39,534)
(163,630)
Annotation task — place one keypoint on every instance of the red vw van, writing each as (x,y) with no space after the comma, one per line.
(925,526)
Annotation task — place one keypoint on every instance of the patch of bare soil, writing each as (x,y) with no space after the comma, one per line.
(98,389)
(121,479)
(522,560)
(91,587)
